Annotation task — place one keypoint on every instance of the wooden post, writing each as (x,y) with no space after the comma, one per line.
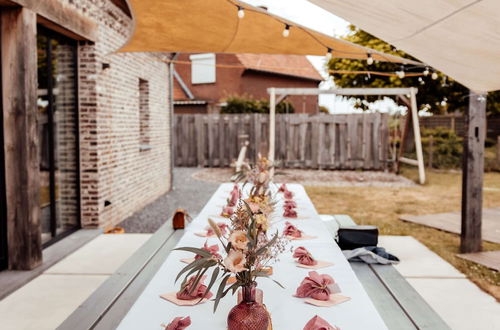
(19,95)
(498,150)
(416,133)
(431,150)
(472,177)
(272,122)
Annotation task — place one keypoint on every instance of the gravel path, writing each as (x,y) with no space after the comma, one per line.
(187,193)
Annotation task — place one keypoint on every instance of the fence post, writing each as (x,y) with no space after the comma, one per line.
(431,150)
(498,150)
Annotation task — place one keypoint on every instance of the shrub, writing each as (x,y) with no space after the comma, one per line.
(447,147)
(243,104)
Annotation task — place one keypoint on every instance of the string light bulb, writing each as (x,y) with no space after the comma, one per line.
(401,73)
(286,31)
(241,12)
(426,71)
(329,54)
(369,60)
(434,75)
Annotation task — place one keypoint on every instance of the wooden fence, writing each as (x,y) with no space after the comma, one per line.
(351,141)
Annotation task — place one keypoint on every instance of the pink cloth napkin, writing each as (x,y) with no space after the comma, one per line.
(179,323)
(317,323)
(290,213)
(198,292)
(235,196)
(227,211)
(304,257)
(288,194)
(316,286)
(290,204)
(213,249)
(282,188)
(291,230)
(222,226)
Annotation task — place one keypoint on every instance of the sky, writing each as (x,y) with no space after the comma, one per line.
(306,13)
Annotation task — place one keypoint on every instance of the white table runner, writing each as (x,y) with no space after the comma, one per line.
(287,312)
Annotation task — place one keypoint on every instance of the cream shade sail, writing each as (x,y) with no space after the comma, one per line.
(199,26)
(461,38)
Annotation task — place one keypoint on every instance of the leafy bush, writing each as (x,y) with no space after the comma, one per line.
(243,104)
(447,147)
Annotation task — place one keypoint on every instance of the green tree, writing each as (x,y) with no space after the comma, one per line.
(440,96)
(246,104)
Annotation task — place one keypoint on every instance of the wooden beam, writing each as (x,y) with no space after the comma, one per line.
(272,123)
(472,176)
(62,17)
(343,91)
(19,95)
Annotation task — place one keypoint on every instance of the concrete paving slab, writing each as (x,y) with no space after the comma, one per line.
(416,259)
(460,303)
(103,255)
(46,301)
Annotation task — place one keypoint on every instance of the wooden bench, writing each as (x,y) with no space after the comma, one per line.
(400,306)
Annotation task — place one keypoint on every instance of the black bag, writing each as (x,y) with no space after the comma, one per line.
(354,237)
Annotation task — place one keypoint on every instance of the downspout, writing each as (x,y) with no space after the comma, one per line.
(171,69)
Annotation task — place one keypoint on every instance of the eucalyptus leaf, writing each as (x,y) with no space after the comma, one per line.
(189,266)
(197,251)
(220,291)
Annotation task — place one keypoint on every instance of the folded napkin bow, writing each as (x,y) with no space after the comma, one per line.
(290,204)
(191,292)
(304,257)
(282,188)
(290,213)
(317,323)
(317,286)
(227,211)
(288,194)
(235,196)
(291,230)
(179,323)
(222,226)
(213,249)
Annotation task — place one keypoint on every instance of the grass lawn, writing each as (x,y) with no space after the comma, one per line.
(382,206)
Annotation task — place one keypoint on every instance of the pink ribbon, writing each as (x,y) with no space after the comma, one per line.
(290,213)
(235,196)
(291,230)
(213,249)
(304,257)
(317,286)
(282,188)
(198,291)
(290,204)
(288,194)
(179,323)
(317,323)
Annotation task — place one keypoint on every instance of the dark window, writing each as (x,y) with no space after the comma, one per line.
(58,135)
(144,124)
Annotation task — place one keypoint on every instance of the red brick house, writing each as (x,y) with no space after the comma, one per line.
(203,81)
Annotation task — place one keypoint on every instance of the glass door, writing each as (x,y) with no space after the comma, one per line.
(58,135)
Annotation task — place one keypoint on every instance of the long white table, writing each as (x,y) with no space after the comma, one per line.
(287,312)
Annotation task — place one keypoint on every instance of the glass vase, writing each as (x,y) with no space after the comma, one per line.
(248,314)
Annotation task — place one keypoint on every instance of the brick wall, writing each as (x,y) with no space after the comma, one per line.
(114,167)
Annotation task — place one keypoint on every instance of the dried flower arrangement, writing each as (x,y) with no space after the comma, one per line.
(248,252)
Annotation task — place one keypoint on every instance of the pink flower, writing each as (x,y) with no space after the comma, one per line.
(239,240)
(316,286)
(304,257)
(179,323)
(235,261)
(187,291)
(291,230)
(213,249)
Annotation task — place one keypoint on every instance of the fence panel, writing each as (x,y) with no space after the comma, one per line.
(351,141)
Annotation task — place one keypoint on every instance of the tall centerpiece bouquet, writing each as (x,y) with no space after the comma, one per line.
(248,250)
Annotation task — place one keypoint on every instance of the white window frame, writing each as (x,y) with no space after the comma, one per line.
(203,68)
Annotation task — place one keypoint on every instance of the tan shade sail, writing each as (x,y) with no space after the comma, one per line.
(199,26)
(461,38)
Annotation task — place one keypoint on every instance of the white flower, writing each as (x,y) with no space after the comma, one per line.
(235,261)
(239,240)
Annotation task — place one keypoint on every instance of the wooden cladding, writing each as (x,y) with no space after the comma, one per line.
(351,141)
